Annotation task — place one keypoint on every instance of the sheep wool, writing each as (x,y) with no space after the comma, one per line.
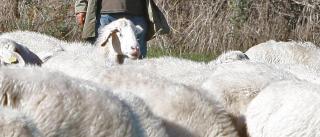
(291,52)
(179,70)
(236,84)
(186,113)
(286,108)
(302,72)
(149,124)
(61,106)
(15,124)
(185,71)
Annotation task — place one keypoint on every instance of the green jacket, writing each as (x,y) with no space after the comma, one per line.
(156,20)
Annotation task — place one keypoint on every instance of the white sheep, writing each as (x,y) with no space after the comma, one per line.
(185,111)
(88,69)
(172,102)
(116,42)
(283,109)
(12,52)
(15,124)
(292,52)
(36,42)
(236,84)
(63,106)
(44,46)
(119,39)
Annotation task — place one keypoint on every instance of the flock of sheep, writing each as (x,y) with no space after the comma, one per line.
(54,88)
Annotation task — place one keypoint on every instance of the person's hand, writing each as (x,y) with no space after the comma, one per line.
(81,16)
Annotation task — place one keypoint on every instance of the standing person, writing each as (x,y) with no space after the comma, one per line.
(93,14)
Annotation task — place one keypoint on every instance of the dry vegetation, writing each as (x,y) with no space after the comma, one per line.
(53,17)
(198,26)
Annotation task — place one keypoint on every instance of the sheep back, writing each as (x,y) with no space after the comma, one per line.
(286,108)
(184,110)
(64,106)
(15,124)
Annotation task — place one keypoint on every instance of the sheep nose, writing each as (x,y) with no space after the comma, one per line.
(135,52)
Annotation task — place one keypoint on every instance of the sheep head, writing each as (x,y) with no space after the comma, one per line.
(118,40)
(14,53)
(9,54)
(230,56)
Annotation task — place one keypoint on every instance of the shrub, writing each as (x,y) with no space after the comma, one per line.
(198,26)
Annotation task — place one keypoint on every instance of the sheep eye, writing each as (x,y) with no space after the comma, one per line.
(120,34)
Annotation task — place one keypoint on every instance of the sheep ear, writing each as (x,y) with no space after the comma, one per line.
(45,56)
(115,60)
(116,43)
(111,34)
(120,59)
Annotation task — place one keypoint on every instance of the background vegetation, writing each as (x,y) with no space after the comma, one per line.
(201,29)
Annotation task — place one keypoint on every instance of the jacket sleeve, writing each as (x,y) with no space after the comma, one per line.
(81,6)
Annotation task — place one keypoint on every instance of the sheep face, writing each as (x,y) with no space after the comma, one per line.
(14,53)
(118,40)
(230,56)
(8,53)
